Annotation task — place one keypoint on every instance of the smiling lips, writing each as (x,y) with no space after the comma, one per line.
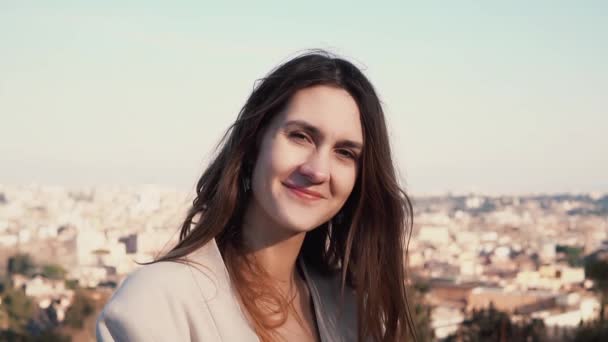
(304,193)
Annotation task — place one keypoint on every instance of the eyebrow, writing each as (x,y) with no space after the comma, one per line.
(316,133)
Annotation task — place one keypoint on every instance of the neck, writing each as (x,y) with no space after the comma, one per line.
(274,248)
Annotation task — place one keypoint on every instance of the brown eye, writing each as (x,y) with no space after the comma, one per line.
(298,136)
(347,154)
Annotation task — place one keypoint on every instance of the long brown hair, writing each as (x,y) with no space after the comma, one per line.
(367,245)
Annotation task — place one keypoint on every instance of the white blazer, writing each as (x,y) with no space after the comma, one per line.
(173,302)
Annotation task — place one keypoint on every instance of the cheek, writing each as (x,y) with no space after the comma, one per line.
(262,174)
(275,162)
(284,157)
(344,182)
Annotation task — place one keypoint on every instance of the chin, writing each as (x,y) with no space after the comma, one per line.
(299,217)
(300,224)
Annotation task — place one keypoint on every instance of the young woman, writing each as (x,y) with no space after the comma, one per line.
(298,230)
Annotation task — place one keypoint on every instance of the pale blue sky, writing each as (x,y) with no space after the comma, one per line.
(500,98)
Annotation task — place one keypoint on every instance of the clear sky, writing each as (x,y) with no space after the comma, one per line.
(508,97)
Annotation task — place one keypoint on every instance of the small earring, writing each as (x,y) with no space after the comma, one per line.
(246,183)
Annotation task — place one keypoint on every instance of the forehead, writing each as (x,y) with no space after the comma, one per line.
(330,109)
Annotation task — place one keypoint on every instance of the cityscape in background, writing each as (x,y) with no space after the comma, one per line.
(501,102)
(63,251)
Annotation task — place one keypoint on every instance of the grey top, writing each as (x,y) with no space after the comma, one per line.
(333,324)
(170,301)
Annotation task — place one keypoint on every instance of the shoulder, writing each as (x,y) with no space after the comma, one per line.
(202,271)
(150,281)
(161,299)
(140,306)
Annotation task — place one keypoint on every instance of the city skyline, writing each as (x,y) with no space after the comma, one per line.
(501,98)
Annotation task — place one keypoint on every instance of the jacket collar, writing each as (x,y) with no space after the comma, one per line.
(336,318)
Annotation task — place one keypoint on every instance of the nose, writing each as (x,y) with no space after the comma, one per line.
(316,168)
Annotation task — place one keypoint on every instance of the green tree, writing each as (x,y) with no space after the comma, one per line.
(493,325)
(595,331)
(50,336)
(53,271)
(421,312)
(71,284)
(5,283)
(573,254)
(19,309)
(82,306)
(596,268)
(21,264)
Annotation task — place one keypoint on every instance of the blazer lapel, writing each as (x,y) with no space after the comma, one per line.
(336,320)
(219,294)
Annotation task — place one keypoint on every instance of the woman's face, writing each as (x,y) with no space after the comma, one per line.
(307,159)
